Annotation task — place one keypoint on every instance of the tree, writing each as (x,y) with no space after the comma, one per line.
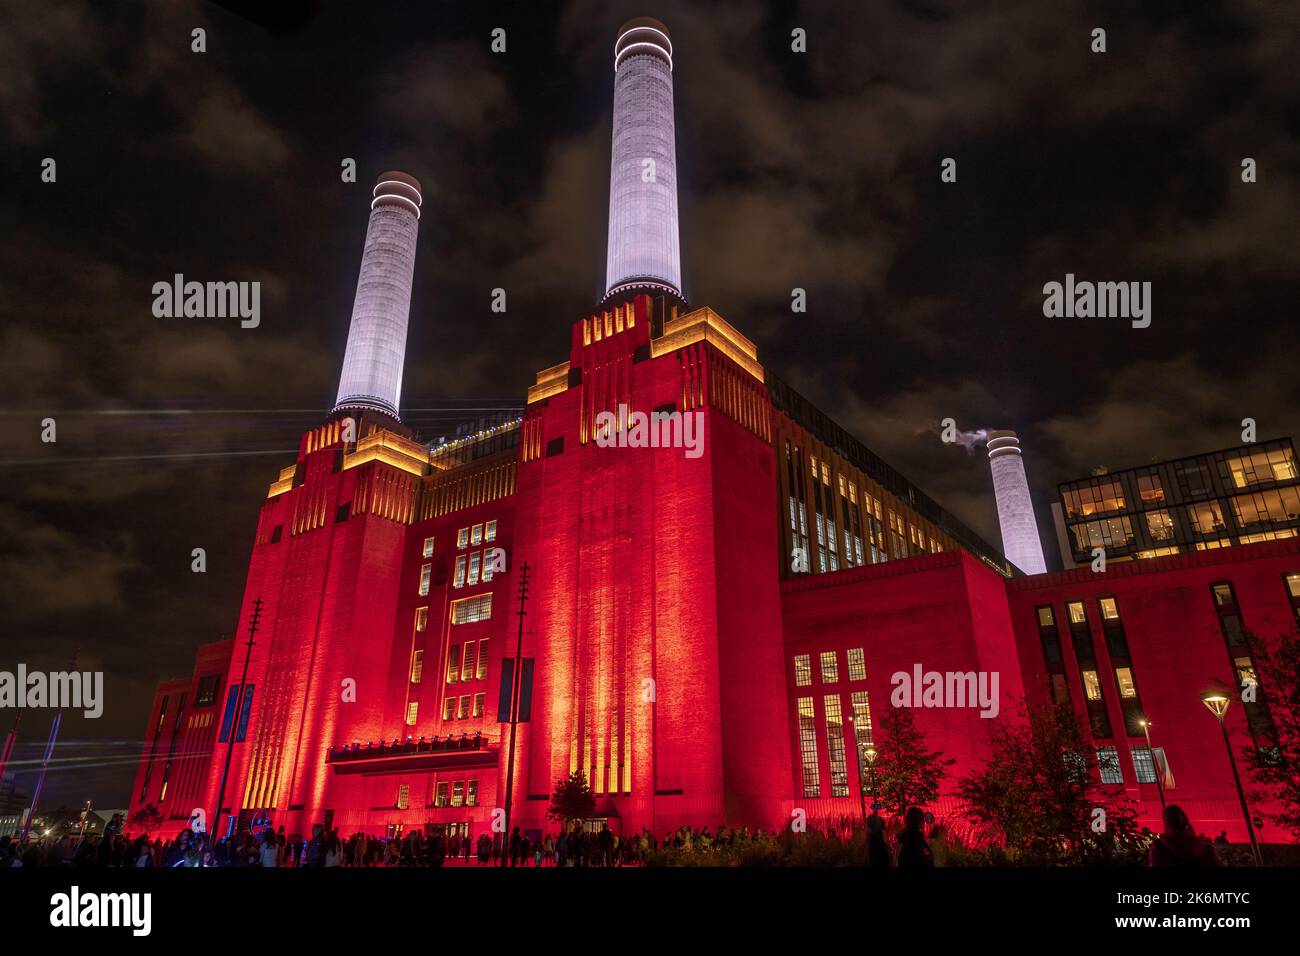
(1039,795)
(145,820)
(572,799)
(906,773)
(1277,668)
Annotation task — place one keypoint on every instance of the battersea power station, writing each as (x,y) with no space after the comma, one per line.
(721,584)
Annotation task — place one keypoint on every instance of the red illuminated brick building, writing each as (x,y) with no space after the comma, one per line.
(706,635)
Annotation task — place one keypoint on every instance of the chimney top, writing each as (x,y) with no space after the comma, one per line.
(1002,441)
(643,35)
(395,188)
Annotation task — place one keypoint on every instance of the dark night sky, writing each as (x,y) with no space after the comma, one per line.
(817,170)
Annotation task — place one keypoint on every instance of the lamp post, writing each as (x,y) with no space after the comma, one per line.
(1217,703)
(1160,783)
(871,753)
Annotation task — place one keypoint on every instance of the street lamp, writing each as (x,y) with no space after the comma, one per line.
(857,756)
(1151,751)
(1218,702)
(871,753)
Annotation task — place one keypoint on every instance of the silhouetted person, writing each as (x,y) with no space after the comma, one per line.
(877,848)
(1221,839)
(913,851)
(1179,845)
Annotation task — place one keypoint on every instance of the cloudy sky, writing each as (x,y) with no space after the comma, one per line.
(817,170)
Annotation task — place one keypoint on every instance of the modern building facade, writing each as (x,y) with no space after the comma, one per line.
(1235,496)
(712,619)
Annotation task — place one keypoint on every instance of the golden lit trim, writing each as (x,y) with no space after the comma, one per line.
(284,483)
(551,381)
(383,445)
(705,325)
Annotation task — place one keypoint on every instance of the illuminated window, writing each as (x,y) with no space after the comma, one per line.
(453,663)
(403,796)
(1206,518)
(467,662)
(857,664)
(469,610)
(835,746)
(449,708)
(861,703)
(1124,677)
(458,793)
(426,572)
(802,670)
(1160,525)
(479,700)
(462,537)
(1293,584)
(1045,618)
(459,580)
(1108,764)
(1091,686)
(808,748)
(474,560)
(1222,595)
(421,618)
(482,660)
(412,712)
(1109,610)
(1077,613)
(490,530)
(1150,490)
(1144,766)
(1245,668)
(427,551)
(417,667)
(462,711)
(829,668)
(471,794)
(441,799)
(487,565)
(476,535)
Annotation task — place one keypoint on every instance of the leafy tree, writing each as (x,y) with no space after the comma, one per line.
(1039,795)
(1277,667)
(145,820)
(572,799)
(907,773)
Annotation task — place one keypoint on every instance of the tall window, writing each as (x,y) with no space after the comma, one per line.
(861,717)
(427,550)
(440,800)
(808,747)
(482,660)
(490,530)
(471,790)
(1108,764)
(462,538)
(476,535)
(857,664)
(412,712)
(403,796)
(453,663)
(459,580)
(802,670)
(829,668)
(474,560)
(426,572)
(421,618)
(417,666)
(449,708)
(835,746)
(467,662)
(458,793)
(479,699)
(462,708)
(1144,767)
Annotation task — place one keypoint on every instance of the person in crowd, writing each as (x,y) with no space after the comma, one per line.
(1179,846)
(913,850)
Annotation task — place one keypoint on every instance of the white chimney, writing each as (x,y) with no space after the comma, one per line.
(1020,542)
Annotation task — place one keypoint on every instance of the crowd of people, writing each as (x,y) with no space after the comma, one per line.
(573,845)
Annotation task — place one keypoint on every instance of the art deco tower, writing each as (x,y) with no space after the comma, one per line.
(643,246)
(1020,541)
(372,365)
